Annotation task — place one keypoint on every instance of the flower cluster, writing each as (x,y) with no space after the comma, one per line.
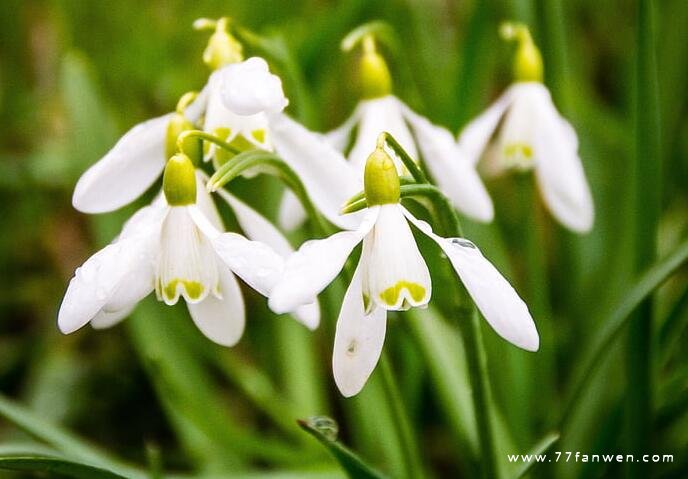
(178,246)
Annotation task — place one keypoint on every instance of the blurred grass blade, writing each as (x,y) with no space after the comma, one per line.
(673,327)
(540,448)
(59,438)
(609,331)
(646,180)
(451,382)
(324,430)
(54,465)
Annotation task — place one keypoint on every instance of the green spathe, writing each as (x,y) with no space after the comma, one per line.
(527,60)
(381,181)
(375,78)
(179,181)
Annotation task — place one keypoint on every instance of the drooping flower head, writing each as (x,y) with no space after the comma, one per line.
(175,248)
(391,275)
(522,130)
(379,110)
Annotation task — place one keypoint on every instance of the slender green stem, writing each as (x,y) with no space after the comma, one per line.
(647,195)
(469,322)
(413,465)
(207,137)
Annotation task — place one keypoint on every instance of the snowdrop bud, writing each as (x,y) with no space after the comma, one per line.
(179,181)
(528,60)
(222,48)
(381,182)
(375,78)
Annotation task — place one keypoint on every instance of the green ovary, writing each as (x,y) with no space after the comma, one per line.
(390,296)
(193,289)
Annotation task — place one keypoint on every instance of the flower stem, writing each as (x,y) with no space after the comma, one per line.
(413,466)
(477,368)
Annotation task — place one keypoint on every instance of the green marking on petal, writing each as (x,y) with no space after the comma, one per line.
(518,155)
(390,296)
(259,135)
(194,290)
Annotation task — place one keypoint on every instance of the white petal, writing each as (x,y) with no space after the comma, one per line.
(219,117)
(117,276)
(204,201)
(317,262)
(259,229)
(376,116)
(249,88)
(358,340)
(475,136)
(395,275)
(221,319)
(451,169)
(106,319)
(126,171)
(256,226)
(496,299)
(254,262)
(559,171)
(341,136)
(291,214)
(187,265)
(328,178)
(195,110)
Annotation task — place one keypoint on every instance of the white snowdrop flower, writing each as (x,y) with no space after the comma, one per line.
(381,111)
(175,248)
(523,130)
(391,275)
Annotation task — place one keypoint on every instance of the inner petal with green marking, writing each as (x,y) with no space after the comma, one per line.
(415,291)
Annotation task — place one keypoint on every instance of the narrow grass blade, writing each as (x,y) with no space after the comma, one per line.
(324,430)
(611,328)
(540,448)
(55,465)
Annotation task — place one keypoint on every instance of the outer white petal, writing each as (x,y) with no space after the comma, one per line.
(221,319)
(559,170)
(291,214)
(394,272)
(341,136)
(114,278)
(328,178)
(496,299)
(317,262)
(126,171)
(195,110)
(376,116)
(453,172)
(259,229)
(107,319)
(358,340)
(475,136)
(249,88)
(204,201)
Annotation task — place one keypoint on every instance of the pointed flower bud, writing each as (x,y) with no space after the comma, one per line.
(528,60)
(381,182)
(375,79)
(179,181)
(223,49)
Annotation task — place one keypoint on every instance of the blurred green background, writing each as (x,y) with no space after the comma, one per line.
(76,74)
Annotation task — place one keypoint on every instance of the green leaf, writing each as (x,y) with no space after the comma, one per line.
(62,440)
(540,448)
(55,465)
(609,331)
(325,429)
